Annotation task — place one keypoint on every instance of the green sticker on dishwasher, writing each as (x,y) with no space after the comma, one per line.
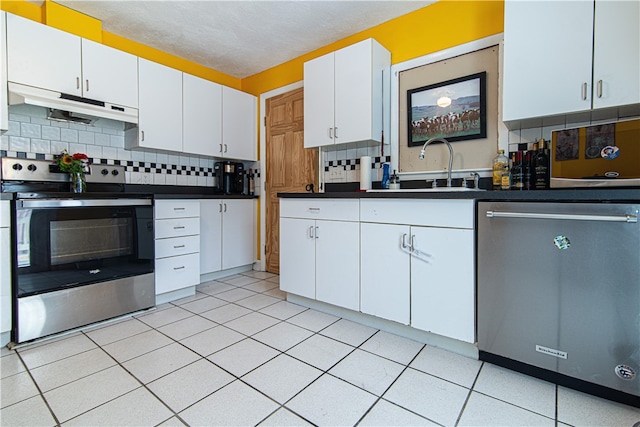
(561,242)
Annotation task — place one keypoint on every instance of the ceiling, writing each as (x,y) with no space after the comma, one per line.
(240,38)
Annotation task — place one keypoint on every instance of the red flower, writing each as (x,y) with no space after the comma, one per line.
(80,156)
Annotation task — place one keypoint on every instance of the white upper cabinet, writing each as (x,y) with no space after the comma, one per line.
(109,74)
(201,116)
(48,58)
(160,115)
(239,125)
(346,95)
(616,53)
(584,58)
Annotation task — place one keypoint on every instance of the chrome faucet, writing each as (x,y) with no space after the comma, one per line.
(429,141)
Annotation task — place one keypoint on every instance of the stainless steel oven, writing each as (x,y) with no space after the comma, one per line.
(77,258)
(80,261)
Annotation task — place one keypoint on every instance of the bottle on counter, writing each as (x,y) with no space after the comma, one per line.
(541,167)
(527,174)
(252,183)
(517,173)
(500,163)
(505,178)
(394,181)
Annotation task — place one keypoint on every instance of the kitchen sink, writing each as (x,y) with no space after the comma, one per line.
(423,190)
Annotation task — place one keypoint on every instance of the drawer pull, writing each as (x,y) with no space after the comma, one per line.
(178,227)
(178,247)
(314,209)
(179,268)
(178,209)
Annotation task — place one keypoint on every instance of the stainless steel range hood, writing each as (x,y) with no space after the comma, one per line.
(21,94)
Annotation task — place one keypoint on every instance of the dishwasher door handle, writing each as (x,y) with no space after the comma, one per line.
(571,217)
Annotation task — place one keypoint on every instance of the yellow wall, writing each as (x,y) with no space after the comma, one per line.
(63,18)
(439,26)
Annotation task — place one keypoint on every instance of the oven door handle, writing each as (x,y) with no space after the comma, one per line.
(70,203)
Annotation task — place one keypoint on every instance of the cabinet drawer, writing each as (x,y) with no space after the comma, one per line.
(177,246)
(177,272)
(330,209)
(166,209)
(177,227)
(430,213)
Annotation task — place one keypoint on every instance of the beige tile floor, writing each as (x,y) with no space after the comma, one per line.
(238,354)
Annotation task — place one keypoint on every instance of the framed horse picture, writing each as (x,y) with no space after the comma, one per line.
(454,109)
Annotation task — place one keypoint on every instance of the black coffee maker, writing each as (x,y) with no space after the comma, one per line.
(229,177)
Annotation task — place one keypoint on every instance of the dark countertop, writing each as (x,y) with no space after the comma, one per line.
(555,195)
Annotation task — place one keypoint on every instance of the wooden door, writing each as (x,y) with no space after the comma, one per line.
(289,166)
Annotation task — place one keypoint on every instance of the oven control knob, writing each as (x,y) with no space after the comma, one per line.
(32,167)
(17,166)
(115,172)
(104,172)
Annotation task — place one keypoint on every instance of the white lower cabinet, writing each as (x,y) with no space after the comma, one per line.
(417,264)
(5,273)
(442,282)
(319,250)
(227,230)
(177,244)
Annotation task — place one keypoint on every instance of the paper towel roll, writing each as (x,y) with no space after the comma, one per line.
(365,173)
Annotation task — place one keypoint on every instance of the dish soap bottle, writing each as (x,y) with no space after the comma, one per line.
(500,165)
(385,175)
(394,183)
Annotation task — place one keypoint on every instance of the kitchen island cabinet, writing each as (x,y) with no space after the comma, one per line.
(45,57)
(575,64)
(319,250)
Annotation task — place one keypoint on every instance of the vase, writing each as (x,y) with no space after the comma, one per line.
(78,183)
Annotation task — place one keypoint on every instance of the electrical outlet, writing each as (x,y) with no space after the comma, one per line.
(337,172)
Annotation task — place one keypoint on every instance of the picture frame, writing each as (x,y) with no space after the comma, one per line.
(455,109)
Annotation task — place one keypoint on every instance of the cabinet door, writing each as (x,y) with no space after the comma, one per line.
(5,279)
(201,115)
(442,282)
(298,257)
(42,56)
(319,101)
(4,100)
(616,61)
(546,70)
(239,125)
(210,236)
(109,74)
(160,106)
(384,284)
(353,93)
(238,231)
(337,263)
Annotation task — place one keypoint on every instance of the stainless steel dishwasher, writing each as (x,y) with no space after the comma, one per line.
(559,293)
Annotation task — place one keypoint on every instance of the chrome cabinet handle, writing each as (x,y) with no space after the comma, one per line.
(220,208)
(584,91)
(178,227)
(314,210)
(225,207)
(331,133)
(87,84)
(311,232)
(404,241)
(179,268)
(335,132)
(412,243)
(178,209)
(178,246)
(316,233)
(77,82)
(142,133)
(599,89)
(221,148)
(225,148)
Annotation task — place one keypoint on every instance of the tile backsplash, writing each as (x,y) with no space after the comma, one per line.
(342,164)
(32,135)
